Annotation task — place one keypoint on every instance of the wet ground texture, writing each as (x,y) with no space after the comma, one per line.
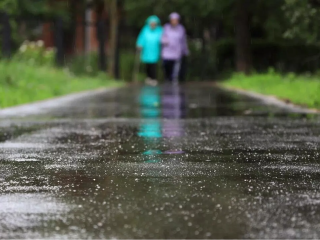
(161,162)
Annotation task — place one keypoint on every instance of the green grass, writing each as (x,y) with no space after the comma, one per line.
(22,82)
(301,90)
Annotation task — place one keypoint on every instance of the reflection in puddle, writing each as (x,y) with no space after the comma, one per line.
(152,128)
(173,102)
(173,109)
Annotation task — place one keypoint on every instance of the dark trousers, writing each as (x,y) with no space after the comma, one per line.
(169,65)
(151,70)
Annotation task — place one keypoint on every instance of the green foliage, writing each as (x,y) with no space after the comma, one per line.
(127,59)
(268,17)
(24,82)
(302,90)
(29,13)
(10,6)
(35,54)
(271,22)
(284,56)
(202,64)
(84,65)
(193,11)
(303,18)
(28,8)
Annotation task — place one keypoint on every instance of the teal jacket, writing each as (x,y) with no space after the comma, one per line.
(150,41)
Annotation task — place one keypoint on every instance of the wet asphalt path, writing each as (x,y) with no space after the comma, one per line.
(184,162)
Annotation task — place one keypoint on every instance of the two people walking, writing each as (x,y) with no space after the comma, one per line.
(168,43)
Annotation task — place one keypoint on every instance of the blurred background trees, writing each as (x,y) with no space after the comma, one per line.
(224,36)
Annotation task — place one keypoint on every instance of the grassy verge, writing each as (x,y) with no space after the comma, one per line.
(22,82)
(301,90)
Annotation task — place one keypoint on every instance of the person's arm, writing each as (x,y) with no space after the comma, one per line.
(164,37)
(141,39)
(185,48)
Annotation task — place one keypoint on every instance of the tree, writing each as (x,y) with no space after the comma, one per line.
(34,8)
(303,18)
(242,27)
(112,6)
(199,16)
(24,16)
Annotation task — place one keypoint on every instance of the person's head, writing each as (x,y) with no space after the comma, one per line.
(174,19)
(153,25)
(153,21)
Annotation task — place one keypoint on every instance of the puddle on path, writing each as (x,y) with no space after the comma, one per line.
(189,162)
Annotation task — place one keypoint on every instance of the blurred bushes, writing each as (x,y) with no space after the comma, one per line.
(84,65)
(88,65)
(282,56)
(199,65)
(30,76)
(217,60)
(290,87)
(23,83)
(127,61)
(34,53)
(213,62)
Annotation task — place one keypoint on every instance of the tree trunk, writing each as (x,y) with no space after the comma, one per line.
(6,34)
(23,30)
(87,24)
(101,36)
(73,27)
(114,22)
(242,31)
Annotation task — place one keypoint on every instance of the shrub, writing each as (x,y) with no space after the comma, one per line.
(283,56)
(299,89)
(84,65)
(35,53)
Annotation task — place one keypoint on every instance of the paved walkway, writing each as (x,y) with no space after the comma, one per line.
(188,162)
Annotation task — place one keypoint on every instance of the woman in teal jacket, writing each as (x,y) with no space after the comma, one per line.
(149,42)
